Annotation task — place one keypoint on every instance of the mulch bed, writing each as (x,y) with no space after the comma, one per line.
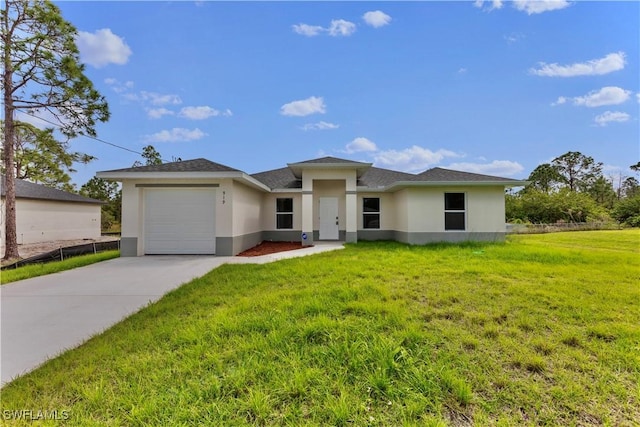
(266,248)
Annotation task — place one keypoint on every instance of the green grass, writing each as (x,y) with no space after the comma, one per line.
(35,270)
(541,330)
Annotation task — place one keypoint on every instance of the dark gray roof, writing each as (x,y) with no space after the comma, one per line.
(278,178)
(444,175)
(29,190)
(285,178)
(377,177)
(329,159)
(195,165)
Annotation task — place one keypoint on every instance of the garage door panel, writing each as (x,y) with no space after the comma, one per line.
(180,221)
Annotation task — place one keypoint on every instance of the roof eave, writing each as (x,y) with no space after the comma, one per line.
(413,184)
(89,201)
(119,176)
(236,175)
(252,182)
(360,167)
(286,190)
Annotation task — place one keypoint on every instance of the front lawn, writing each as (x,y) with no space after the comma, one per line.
(541,330)
(34,270)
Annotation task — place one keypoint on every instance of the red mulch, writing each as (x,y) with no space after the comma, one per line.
(266,248)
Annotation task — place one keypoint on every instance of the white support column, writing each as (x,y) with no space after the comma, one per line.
(132,232)
(307,218)
(352,217)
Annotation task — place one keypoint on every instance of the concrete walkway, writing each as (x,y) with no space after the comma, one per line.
(44,316)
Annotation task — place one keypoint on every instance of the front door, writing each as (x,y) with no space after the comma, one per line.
(328,218)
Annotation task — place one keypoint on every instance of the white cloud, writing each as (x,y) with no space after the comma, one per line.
(118,86)
(102,48)
(340,27)
(495,4)
(376,18)
(414,159)
(308,30)
(496,168)
(319,126)
(462,71)
(157,113)
(638,96)
(609,95)
(532,7)
(176,135)
(202,112)
(595,67)
(561,100)
(611,116)
(514,37)
(304,107)
(154,98)
(359,145)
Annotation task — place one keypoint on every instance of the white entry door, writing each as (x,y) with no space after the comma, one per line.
(328,218)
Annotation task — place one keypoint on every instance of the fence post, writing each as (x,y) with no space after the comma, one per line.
(94,248)
(61,255)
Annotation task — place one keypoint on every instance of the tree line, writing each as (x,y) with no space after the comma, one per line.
(573,188)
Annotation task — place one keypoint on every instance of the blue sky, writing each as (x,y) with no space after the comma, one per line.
(490,87)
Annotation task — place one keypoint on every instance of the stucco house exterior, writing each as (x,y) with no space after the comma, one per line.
(44,214)
(201,207)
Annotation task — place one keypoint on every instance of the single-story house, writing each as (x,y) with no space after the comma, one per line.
(45,214)
(201,207)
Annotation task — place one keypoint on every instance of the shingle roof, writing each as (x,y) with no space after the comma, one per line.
(289,177)
(329,159)
(29,190)
(195,165)
(449,175)
(377,177)
(278,178)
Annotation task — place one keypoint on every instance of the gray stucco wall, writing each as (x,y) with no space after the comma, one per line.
(370,234)
(229,246)
(128,246)
(453,237)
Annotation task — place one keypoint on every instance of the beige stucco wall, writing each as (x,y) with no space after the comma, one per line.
(44,221)
(246,210)
(269,210)
(133,206)
(311,177)
(388,210)
(484,208)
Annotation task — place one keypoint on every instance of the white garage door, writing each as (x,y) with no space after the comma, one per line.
(179,221)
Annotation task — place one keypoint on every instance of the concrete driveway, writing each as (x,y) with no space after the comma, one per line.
(44,316)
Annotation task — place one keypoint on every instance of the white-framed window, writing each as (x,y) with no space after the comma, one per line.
(284,213)
(455,211)
(371,212)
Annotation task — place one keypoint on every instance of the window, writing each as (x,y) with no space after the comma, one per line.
(284,213)
(370,212)
(454,211)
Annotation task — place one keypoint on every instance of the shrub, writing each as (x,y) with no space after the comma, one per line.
(628,211)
